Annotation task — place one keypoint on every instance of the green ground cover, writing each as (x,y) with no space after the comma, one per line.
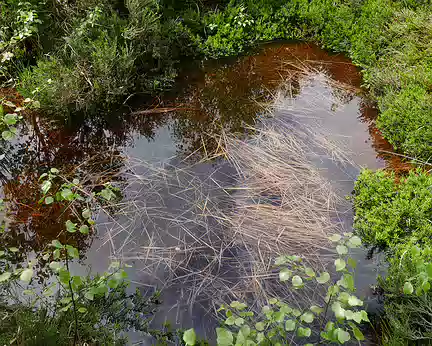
(85,55)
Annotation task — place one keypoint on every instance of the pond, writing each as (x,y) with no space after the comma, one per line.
(179,162)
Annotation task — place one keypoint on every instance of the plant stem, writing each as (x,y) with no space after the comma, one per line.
(73,303)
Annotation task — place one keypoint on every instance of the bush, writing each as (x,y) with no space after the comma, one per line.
(389,212)
(395,215)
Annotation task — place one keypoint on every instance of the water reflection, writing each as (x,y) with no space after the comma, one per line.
(224,96)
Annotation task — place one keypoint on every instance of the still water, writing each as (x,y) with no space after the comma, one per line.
(155,151)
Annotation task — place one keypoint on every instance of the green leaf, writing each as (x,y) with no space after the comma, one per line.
(309,272)
(307,317)
(55,266)
(352,262)
(86,214)
(189,337)
(354,301)
(76,282)
(84,229)
(279,316)
(5,276)
(230,320)
(64,276)
(342,335)
(340,264)
(316,309)
(224,337)
(296,312)
(338,310)
(67,194)
(46,185)
(49,200)
(107,194)
(72,251)
(357,333)
(323,278)
(70,226)
(281,260)
(260,326)
(335,237)
(13,249)
(82,310)
(273,301)
(304,332)
(89,295)
(10,119)
(238,306)
(354,242)
(290,325)
(54,170)
(341,249)
(239,321)
(7,135)
(347,281)
(408,288)
(26,275)
(260,338)
(285,274)
(297,281)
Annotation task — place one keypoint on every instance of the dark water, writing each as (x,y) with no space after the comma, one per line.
(175,131)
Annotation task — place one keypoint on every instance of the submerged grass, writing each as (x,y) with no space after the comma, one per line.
(214,236)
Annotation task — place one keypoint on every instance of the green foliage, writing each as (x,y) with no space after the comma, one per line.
(395,215)
(336,321)
(389,213)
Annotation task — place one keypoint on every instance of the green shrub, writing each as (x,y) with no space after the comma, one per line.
(389,213)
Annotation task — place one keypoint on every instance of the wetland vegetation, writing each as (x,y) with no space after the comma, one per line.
(245,195)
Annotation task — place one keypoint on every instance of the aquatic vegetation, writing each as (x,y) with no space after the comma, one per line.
(335,316)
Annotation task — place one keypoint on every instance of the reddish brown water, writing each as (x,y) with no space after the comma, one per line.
(221,96)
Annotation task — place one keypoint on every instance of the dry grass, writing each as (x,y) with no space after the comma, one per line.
(212,229)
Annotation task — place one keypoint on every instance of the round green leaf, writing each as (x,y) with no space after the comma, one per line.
(309,272)
(55,266)
(290,325)
(10,119)
(297,281)
(285,274)
(341,249)
(408,288)
(354,241)
(323,278)
(82,310)
(189,337)
(70,226)
(307,317)
(67,194)
(316,309)
(260,326)
(335,237)
(354,301)
(342,335)
(224,337)
(49,200)
(86,214)
(26,275)
(304,332)
(84,229)
(340,264)
(7,135)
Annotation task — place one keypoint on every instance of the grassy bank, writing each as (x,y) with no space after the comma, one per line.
(87,55)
